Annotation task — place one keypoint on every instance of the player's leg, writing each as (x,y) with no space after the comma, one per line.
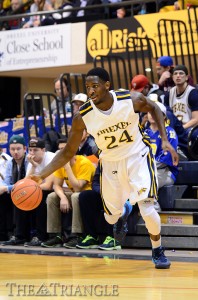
(153,224)
(115,192)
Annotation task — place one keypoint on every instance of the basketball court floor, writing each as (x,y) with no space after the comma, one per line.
(40,273)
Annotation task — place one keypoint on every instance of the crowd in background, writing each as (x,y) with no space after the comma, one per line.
(14,7)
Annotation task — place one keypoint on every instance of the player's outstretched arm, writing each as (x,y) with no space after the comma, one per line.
(143,104)
(67,152)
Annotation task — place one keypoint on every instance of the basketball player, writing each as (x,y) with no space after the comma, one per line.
(128,170)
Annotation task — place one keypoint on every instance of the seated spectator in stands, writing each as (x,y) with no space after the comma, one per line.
(16,7)
(91,205)
(9,214)
(59,17)
(57,107)
(140,83)
(78,101)
(182,98)
(166,172)
(87,14)
(121,12)
(78,175)
(164,70)
(38,158)
(87,146)
(38,5)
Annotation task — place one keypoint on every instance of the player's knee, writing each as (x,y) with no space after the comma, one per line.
(151,217)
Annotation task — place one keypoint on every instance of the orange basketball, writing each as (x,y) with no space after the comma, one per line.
(26,194)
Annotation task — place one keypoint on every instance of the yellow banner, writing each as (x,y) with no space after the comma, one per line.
(181,37)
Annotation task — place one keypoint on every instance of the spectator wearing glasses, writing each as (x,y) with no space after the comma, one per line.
(61,88)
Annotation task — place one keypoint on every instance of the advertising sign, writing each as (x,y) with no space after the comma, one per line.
(39,47)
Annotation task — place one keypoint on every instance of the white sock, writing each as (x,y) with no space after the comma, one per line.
(156,244)
(124,210)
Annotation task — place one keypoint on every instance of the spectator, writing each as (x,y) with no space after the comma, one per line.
(57,18)
(38,5)
(78,175)
(140,83)
(16,7)
(15,170)
(61,88)
(182,98)
(87,146)
(78,101)
(61,17)
(39,158)
(91,205)
(90,14)
(166,171)
(164,69)
(121,12)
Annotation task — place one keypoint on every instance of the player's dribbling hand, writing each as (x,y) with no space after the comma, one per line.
(36,178)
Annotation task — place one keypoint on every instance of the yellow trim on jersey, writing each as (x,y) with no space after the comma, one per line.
(85,108)
(122,94)
(153,189)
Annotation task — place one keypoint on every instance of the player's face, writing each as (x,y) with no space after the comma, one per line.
(97,89)
(17,151)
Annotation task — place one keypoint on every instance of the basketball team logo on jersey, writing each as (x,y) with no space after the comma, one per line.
(143,190)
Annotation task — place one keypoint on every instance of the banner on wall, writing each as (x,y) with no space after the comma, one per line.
(110,36)
(38,47)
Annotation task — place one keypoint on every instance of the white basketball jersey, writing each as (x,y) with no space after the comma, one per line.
(179,104)
(118,135)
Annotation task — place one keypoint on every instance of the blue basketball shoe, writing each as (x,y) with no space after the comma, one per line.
(120,228)
(159,258)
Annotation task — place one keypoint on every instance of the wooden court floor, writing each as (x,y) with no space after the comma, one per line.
(39,277)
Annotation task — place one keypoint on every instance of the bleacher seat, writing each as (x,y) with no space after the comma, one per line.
(188,173)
